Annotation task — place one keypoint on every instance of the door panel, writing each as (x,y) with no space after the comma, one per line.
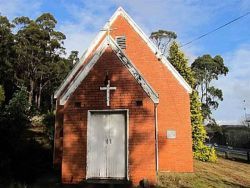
(97,146)
(116,150)
(106,146)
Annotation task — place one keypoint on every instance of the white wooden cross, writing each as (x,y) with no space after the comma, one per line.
(108,29)
(108,88)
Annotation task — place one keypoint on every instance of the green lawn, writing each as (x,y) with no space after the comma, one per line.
(224,173)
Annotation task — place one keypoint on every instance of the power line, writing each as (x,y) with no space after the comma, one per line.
(216,29)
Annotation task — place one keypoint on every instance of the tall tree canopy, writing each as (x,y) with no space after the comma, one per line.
(33,56)
(32,66)
(73,57)
(180,62)
(208,69)
(39,48)
(7,56)
(162,39)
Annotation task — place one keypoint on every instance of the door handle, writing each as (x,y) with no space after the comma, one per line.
(107,140)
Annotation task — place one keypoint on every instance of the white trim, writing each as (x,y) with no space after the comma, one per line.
(134,71)
(127,135)
(154,49)
(82,74)
(156,140)
(85,55)
(108,41)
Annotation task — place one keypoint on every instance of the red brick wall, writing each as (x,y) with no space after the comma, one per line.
(58,137)
(173,110)
(173,113)
(141,120)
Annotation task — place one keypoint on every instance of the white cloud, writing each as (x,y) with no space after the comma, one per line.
(14,8)
(77,38)
(235,86)
(87,18)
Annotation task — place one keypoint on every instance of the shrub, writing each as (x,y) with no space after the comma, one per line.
(49,122)
(205,153)
(22,159)
(13,121)
(201,151)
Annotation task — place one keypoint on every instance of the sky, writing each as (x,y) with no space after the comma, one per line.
(81,20)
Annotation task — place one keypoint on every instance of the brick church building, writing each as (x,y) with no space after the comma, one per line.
(123,112)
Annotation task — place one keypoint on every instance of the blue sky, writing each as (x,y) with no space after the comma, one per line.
(81,20)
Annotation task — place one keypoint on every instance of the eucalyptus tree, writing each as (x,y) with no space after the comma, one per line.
(73,57)
(29,47)
(39,47)
(53,50)
(162,39)
(208,69)
(7,56)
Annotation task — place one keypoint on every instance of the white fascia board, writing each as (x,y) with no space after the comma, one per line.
(83,73)
(86,54)
(100,35)
(70,75)
(156,51)
(108,41)
(134,71)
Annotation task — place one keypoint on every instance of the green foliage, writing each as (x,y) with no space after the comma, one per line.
(198,129)
(13,120)
(6,49)
(205,153)
(31,56)
(201,151)
(31,53)
(162,39)
(73,57)
(18,107)
(2,96)
(39,48)
(208,69)
(21,159)
(49,122)
(180,62)
(7,57)
(235,136)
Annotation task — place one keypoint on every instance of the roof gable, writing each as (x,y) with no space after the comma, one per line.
(101,35)
(109,42)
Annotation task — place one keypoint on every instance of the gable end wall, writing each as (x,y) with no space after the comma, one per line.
(173,110)
(141,120)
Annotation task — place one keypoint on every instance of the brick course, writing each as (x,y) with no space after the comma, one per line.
(173,113)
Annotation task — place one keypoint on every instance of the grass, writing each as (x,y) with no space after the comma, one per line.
(224,173)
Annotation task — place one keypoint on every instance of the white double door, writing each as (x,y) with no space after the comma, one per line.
(106,145)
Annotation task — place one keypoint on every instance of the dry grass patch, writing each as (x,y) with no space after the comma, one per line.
(224,173)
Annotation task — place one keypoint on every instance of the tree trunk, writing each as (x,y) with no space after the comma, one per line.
(39,96)
(51,102)
(36,97)
(32,83)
